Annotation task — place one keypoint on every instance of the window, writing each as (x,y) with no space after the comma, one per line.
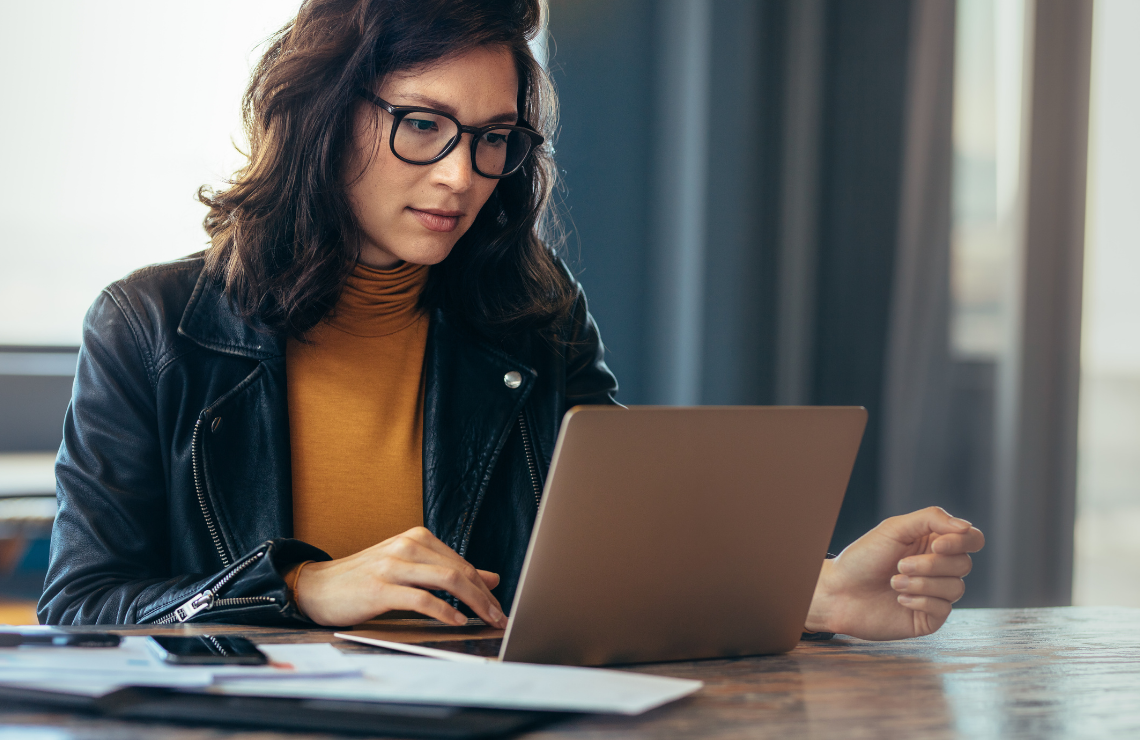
(988,121)
(1107,567)
(115,113)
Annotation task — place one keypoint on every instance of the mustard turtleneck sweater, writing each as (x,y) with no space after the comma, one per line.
(356,414)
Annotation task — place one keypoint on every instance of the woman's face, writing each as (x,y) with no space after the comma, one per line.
(416,213)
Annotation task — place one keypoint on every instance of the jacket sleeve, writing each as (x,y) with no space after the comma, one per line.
(588,379)
(110,544)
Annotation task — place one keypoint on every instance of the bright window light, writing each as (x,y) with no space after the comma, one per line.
(114,113)
(1107,562)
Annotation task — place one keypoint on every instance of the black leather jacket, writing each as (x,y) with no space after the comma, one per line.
(173,480)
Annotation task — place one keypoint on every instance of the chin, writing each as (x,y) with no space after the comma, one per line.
(427,252)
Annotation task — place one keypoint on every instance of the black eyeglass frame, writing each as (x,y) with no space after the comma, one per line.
(398,112)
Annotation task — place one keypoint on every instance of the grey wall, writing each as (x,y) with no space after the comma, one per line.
(602,57)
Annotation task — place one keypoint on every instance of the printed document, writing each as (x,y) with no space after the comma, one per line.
(414,680)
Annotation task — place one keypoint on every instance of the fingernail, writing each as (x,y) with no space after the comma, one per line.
(899,582)
(906,599)
(461,619)
(907,566)
(961,523)
(497,617)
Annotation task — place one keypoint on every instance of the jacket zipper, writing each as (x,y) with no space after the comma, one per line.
(207,599)
(535,481)
(200,489)
(531,464)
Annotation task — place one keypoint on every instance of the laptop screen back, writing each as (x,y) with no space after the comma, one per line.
(681,533)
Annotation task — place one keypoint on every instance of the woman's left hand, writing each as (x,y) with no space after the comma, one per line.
(898,580)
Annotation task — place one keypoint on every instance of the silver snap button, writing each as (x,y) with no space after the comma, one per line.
(217,422)
(513,379)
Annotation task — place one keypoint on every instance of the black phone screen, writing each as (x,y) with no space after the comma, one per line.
(209,650)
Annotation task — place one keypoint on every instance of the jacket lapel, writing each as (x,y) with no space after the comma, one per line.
(244,423)
(468,412)
(210,320)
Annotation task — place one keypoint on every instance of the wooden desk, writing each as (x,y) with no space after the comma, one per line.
(989,673)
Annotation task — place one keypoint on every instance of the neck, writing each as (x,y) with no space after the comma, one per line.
(377,258)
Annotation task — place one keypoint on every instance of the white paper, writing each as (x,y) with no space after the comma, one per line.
(321,671)
(97,671)
(130,664)
(315,660)
(394,678)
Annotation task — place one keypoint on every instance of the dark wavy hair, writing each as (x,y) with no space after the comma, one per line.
(283,236)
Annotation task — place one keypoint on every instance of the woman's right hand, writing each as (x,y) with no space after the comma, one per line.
(397,574)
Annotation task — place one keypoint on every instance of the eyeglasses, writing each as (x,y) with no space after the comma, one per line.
(425,136)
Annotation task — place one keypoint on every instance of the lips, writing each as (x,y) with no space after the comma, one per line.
(437,220)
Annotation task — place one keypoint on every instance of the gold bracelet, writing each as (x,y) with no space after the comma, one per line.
(293,586)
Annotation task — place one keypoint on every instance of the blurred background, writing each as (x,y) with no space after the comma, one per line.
(924,207)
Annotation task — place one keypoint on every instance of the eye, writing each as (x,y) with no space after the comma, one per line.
(420,124)
(495,138)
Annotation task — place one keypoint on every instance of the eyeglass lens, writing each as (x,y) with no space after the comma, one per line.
(422,136)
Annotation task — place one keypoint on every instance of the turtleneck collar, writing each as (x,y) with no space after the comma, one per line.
(375,303)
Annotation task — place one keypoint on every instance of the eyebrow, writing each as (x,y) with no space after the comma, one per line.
(429,102)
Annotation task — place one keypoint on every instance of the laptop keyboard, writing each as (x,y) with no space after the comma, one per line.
(487,647)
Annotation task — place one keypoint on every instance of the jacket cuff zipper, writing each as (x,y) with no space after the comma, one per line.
(207,599)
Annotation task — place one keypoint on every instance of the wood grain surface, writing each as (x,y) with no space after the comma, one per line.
(989,673)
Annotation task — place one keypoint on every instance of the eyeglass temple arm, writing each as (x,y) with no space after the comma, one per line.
(371,97)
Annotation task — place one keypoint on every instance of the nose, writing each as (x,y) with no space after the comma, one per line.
(455,169)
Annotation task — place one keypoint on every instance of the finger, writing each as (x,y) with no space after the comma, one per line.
(458,584)
(405,598)
(918,524)
(412,548)
(936,565)
(490,579)
(952,544)
(453,581)
(950,589)
(447,556)
(938,609)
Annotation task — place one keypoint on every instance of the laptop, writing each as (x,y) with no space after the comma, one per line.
(664,534)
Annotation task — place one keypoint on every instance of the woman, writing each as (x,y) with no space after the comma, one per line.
(350,400)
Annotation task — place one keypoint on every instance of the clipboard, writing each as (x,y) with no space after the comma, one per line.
(311,715)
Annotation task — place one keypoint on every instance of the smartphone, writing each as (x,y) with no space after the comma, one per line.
(39,636)
(207,650)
